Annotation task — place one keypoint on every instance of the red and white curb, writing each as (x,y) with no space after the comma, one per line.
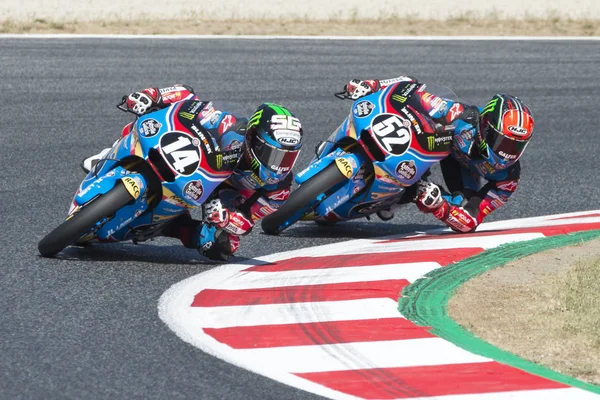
(325,319)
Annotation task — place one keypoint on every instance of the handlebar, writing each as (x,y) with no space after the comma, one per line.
(342,96)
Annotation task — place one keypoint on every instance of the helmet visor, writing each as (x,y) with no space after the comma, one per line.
(274,159)
(503,146)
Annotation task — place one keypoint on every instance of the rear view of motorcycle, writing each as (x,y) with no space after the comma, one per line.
(386,144)
(165,166)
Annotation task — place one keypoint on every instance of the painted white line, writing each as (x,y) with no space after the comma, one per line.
(257,279)
(288,313)
(543,394)
(485,242)
(361,355)
(313,38)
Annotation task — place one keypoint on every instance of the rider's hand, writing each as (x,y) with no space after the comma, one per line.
(355,89)
(429,197)
(142,102)
(232,222)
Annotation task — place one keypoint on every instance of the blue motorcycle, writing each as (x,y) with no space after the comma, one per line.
(166,165)
(386,144)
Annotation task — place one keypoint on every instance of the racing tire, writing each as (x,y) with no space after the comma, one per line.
(84,220)
(301,198)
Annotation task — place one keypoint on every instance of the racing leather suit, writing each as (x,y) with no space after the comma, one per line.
(475,188)
(236,204)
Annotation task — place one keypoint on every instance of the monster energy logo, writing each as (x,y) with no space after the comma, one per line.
(255,119)
(255,164)
(399,98)
(489,107)
(219,159)
(430,143)
(187,115)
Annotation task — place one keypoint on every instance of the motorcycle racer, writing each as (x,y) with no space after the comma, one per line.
(483,169)
(261,151)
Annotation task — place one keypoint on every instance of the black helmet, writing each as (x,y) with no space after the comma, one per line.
(273,142)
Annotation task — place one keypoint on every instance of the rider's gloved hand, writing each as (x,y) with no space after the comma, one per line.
(142,102)
(429,197)
(216,244)
(355,89)
(230,221)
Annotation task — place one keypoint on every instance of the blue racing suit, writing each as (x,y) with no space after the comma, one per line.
(240,201)
(475,187)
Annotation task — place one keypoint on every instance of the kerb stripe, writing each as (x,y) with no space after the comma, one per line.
(298,294)
(442,257)
(433,380)
(369,330)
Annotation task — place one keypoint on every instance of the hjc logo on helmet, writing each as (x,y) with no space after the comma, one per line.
(517,130)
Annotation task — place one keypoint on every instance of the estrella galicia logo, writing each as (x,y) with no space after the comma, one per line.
(363,109)
(150,127)
(406,170)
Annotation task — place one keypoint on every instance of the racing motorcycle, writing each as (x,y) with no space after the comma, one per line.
(386,144)
(166,165)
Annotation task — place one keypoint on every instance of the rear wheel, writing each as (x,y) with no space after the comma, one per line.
(84,220)
(294,207)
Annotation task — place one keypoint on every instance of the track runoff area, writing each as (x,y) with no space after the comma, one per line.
(326,319)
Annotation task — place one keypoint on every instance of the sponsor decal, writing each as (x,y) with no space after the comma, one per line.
(508,186)
(287,137)
(203,139)
(438,142)
(150,127)
(455,111)
(132,186)
(506,155)
(412,119)
(169,89)
(235,144)
(226,123)
(215,117)
(187,115)
(181,152)
(279,169)
(280,195)
(193,190)
(363,109)
(360,175)
(344,166)
(517,130)
(111,232)
(195,106)
(406,170)
(391,134)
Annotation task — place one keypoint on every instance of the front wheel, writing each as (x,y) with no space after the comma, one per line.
(84,220)
(292,210)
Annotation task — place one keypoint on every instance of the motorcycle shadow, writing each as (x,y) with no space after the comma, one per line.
(354,230)
(129,252)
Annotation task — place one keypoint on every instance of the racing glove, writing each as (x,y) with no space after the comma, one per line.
(429,200)
(355,89)
(232,222)
(142,102)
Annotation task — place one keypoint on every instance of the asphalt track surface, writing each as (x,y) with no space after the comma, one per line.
(85,325)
